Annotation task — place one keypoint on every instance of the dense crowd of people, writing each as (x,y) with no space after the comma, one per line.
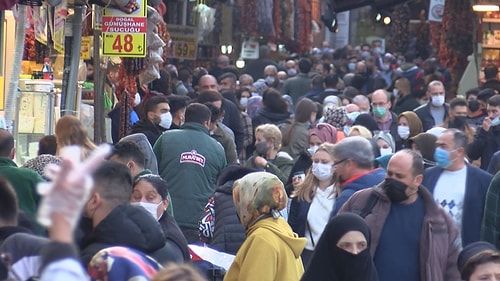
(351,164)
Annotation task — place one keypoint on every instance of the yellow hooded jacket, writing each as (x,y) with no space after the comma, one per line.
(271,252)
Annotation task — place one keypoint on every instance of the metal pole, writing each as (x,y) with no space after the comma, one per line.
(98,78)
(75,59)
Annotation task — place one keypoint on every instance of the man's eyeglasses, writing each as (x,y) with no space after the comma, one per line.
(339,162)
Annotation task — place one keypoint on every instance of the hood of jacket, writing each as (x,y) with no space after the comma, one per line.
(129,226)
(274,117)
(232,173)
(282,230)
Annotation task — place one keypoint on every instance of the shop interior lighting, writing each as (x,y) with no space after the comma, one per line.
(240,63)
(485,6)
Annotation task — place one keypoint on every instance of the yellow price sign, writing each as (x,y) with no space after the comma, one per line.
(124,45)
(184,50)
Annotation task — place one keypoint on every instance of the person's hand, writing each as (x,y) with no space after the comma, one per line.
(486,124)
(260,162)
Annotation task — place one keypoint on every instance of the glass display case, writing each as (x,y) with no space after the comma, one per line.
(35,117)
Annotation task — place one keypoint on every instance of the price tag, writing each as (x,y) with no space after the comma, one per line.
(184,42)
(124,34)
(185,50)
(124,45)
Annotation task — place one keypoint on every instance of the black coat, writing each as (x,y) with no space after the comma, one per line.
(174,236)
(424,114)
(128,226)
(150,130)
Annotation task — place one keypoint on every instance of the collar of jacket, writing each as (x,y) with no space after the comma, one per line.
(4,161)
(194,126)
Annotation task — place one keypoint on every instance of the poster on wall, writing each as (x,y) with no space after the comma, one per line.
(184,42)
(436,10)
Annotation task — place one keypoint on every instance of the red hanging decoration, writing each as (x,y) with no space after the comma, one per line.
(249,18)
(304,26)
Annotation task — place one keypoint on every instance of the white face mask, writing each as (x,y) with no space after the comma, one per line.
(152,208)
(385,151)
(269,80)
(404,132)
(312,149)
(166,120)
(244,102)
(437,100)
(322,171)
(395,93)
(291,72)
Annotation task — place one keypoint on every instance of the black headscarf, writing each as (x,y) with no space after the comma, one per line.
(367,121)
(331,263)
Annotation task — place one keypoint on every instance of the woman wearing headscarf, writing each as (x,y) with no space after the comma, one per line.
(313,200)
(271,250)
(362,131)
(319,134)
(479,261)
(409,125)
(337,117)
(425,144)
(367,121)
(343,252)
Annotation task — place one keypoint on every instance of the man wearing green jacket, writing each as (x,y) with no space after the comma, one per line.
(23,180)
(190,161)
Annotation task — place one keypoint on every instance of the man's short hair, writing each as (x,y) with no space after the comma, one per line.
(177,102)
(358,149)
(47,145)
(128,150)
(485,94)
(417,163)
(472,92)
(198,113)
(113,182)
(317,81)
(459,138)
(490,71)
(331,80)
(457,102)
(6,143)
(152,103)
(8,203)
(214,111)
(305,65)
(209,96)
(494,100)
(228,75)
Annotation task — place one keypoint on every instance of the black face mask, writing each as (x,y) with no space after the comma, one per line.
(473,106)
(395,190)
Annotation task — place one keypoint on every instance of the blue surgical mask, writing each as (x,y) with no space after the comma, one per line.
(353,115)
(442,157)
(244,101)
(351,66)
(291,72)
(379,112)
(495,121)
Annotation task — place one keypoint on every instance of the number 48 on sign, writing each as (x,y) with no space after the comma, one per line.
(124,45)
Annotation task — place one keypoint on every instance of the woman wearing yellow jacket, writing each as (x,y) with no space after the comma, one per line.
(271,250)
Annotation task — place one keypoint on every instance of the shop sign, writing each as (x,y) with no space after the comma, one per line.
(124,35)
(60,14)
(436,10)
(250,49)
(184,42)
(86,47)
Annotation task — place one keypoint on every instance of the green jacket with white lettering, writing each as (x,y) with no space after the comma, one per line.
(190,161)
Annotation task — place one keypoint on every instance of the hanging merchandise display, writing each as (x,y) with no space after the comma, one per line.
(265,18)
(248,18)
(304,26)
(204,17)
